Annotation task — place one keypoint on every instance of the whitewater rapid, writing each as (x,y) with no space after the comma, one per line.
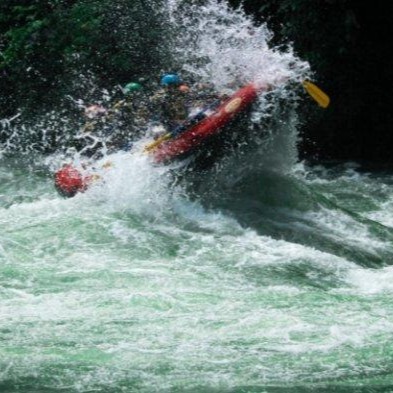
(162,293)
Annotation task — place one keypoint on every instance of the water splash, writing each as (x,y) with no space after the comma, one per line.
(217,44)
(213,45)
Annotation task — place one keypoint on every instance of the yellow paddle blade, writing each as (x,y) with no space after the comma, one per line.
(316,93)
(157,142)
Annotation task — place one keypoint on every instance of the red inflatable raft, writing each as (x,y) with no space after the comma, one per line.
(69,180)
(211,125)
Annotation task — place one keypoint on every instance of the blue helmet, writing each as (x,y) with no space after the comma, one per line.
(170,79)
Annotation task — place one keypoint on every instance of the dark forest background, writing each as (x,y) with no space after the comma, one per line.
(45,44)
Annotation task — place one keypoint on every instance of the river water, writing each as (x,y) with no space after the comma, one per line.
(261,274)
(282,282)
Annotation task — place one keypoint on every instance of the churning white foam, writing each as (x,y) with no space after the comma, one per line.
(225,47)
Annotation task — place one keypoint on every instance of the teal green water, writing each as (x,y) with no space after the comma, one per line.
(266,283)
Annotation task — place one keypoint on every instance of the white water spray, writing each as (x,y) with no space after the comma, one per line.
(225,47)
(217,46)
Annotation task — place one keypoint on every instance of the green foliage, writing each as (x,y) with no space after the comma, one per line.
(44,43)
